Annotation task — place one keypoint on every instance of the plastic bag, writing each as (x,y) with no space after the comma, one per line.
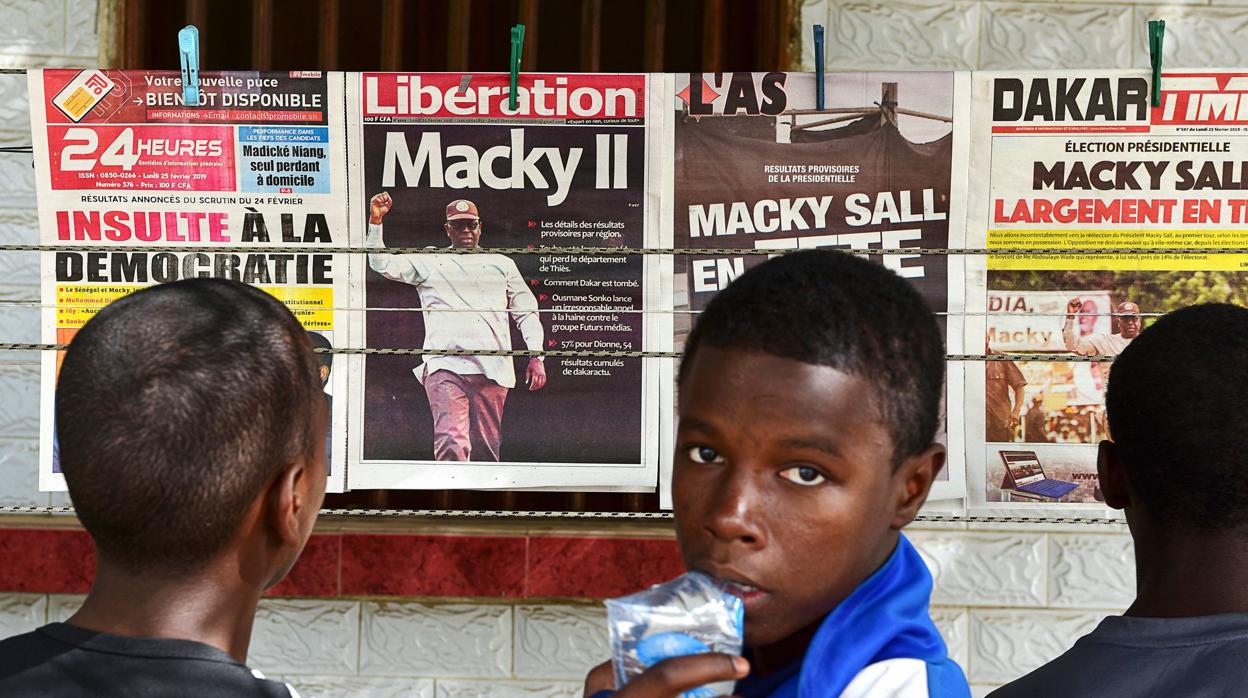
(690,614)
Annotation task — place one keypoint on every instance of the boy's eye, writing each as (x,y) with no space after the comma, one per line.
(803,475)
(704,455)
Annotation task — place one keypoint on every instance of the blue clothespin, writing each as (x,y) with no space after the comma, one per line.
(819,67)
(517,48)
(1156,33)
(188,51)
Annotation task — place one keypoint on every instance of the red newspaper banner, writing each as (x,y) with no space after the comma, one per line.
(159,158)
(539,96)
(1202,99)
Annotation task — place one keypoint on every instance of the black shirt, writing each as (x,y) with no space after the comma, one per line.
(1128,657)
(64,661)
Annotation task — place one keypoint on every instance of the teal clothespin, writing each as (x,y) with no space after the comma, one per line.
(188,51)
(819,67)
(1156,33)
(517,48)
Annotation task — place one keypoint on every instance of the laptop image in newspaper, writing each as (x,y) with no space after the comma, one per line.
(1024,473)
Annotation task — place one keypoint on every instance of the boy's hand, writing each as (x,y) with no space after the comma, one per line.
(671,677)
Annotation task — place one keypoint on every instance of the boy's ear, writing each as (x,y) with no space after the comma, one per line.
(913,480)
(288,499)
(1112,477)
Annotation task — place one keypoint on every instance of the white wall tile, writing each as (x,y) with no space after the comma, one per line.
(305,636)
(19,324)
(62,606)
(954,626)
(464,640)
(984,569)
(19,473)
(19,410)
(21,613)
(1197,37)
(560,642)
(80,35)
(1018,36)
(1091,571)
(1006,644)
(17,172)
(508,689)
(877,35)
(11,60)
(33,27)
(359,687)
(811,12)
(21,226)
(14,110)
(19,276)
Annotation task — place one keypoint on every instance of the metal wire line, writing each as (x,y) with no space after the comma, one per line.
(652,515)
(589,354)
(610,251)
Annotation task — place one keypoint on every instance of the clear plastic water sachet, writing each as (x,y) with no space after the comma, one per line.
(690,614)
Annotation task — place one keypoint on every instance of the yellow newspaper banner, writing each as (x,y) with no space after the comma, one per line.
(1101,239)
(77,303)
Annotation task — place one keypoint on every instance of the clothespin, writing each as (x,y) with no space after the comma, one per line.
(819,67)
(188,51)
(464,81)
(1156,33)
(517,47)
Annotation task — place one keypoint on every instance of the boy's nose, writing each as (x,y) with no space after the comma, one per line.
(733,513)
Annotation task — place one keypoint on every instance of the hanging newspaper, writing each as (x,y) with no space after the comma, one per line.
(757,166)
(122,162)
(449,170)
(1082,160)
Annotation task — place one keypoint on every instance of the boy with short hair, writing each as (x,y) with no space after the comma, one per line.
(810,396)
(1178,468)
(192,438)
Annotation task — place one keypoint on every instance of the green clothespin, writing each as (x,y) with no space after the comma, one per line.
(1156,33)
(517,48)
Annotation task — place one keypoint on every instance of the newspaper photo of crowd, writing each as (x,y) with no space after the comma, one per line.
(1077,313)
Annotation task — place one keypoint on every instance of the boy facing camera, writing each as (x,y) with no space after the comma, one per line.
(809,403)
(192,438)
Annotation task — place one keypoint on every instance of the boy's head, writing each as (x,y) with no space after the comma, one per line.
(1177,403)
(184,411)
(810,397)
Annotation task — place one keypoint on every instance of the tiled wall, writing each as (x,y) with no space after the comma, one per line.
(452,614)
(1007,600)
(989,35)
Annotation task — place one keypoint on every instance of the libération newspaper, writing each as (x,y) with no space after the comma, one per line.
(757,166)
(1083,160)
(122,162)
(448,168)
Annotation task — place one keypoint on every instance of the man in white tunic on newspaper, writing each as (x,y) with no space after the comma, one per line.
(1101,343)
(467,299)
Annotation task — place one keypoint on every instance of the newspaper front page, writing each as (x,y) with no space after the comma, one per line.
(121,162)
(444,165)
(1082,160)
(757,166)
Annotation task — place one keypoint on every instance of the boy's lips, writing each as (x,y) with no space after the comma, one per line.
(737,584)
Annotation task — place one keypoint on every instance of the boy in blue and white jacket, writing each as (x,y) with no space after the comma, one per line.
(810,394)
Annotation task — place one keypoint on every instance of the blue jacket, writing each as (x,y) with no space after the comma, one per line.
(880,642)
